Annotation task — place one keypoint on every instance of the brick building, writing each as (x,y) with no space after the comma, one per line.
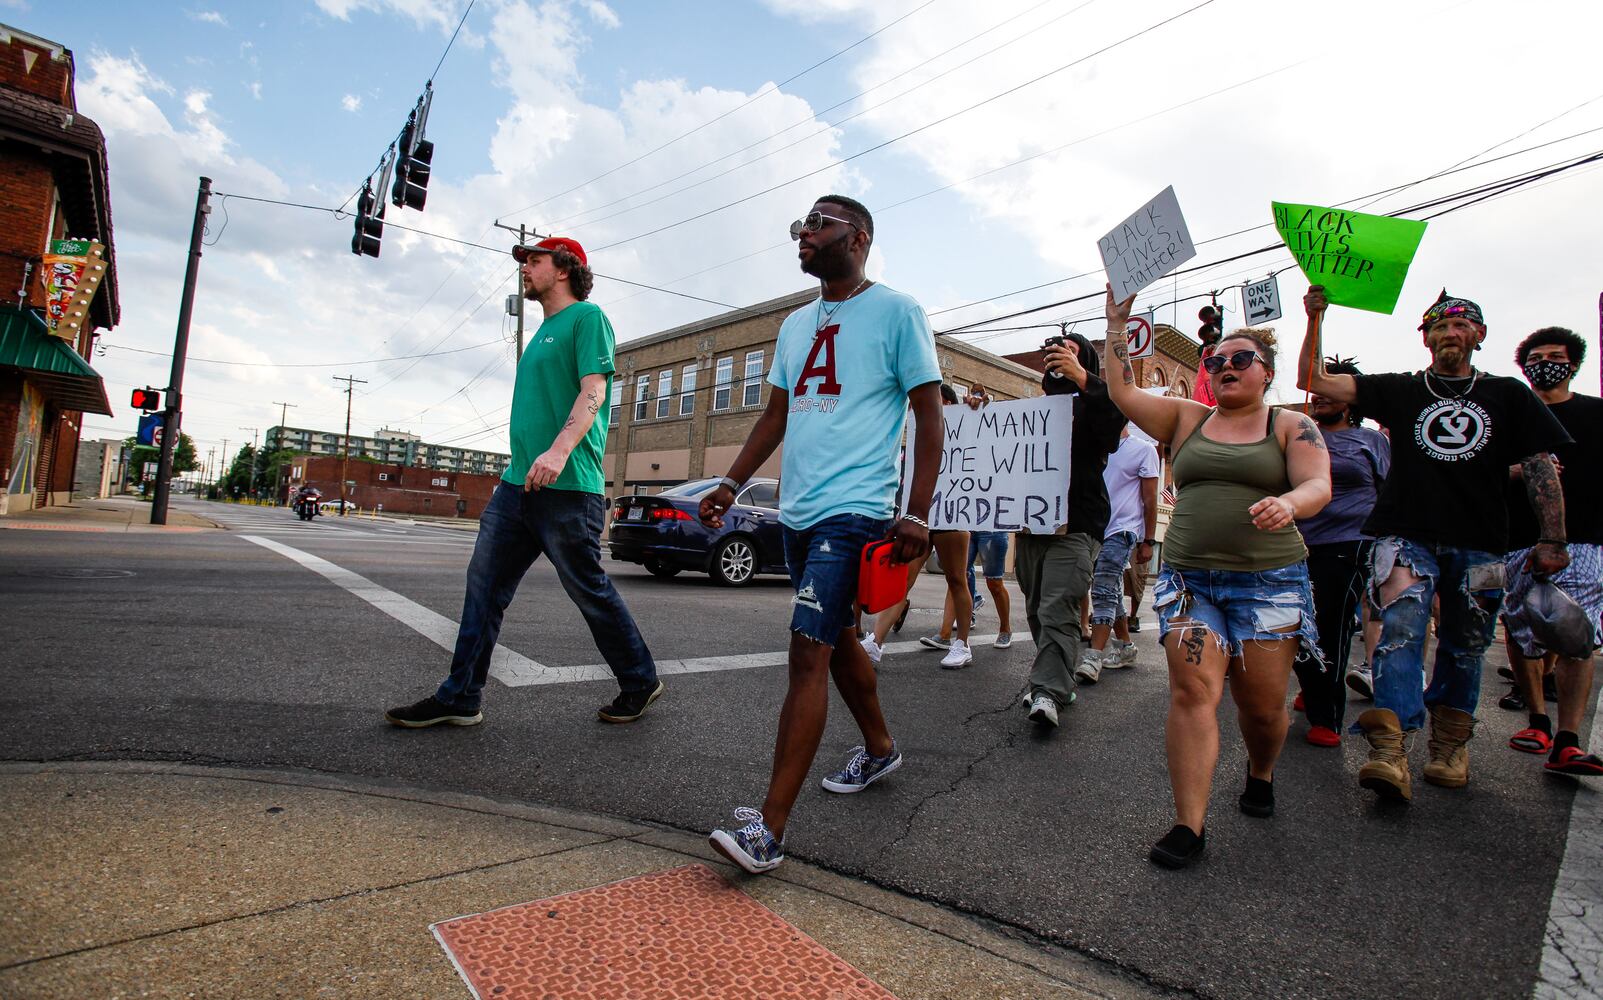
(1174,360)
(684,400)
(398,489)
(53,186)
(96,474)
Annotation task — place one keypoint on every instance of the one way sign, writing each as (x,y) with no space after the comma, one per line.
(1261,302)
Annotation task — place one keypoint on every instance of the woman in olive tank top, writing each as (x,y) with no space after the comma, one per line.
(1232,597)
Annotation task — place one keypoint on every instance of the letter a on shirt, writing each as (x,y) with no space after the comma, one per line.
(820,364)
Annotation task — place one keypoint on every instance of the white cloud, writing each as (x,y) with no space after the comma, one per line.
(210,17)
(351,103)
(439,12)
(601,13)
(256,90)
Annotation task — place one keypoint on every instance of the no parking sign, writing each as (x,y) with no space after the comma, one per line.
(1138,331)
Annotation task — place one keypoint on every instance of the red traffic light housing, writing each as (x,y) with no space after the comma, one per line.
(146,399)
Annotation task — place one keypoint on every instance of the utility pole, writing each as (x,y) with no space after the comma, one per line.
(278,444)
(345,466)
(211,467)
(253,454)
(523,235)
(223,465)
(175,385)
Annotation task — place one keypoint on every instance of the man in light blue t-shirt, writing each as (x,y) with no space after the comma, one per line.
(845,369)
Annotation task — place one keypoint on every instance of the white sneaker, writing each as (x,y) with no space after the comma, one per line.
(1359,679)
(1123,655)
(872,648)
(959,657)
(1043,711)
(1091,663)
(1003,640)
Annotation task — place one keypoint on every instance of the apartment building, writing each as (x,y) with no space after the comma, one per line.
(390,447)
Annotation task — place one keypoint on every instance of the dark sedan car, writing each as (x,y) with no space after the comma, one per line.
(663,532)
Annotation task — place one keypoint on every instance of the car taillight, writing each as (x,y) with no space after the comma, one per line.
(668,514)
(617,513)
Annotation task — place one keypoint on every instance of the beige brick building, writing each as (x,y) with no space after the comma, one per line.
(684,400)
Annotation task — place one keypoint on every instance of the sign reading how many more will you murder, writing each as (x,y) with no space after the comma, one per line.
(1004,467)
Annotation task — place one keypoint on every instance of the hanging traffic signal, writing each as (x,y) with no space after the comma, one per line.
(1212,322)
(412,164)
(146,399)
(369,227)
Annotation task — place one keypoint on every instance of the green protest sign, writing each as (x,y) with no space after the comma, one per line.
(1360,259)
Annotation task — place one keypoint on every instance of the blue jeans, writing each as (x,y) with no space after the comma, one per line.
(1107,580)
(515,529)
(990,547)
(1469,583)
(824,560)
(1238,606)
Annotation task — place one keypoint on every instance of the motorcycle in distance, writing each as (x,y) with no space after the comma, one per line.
(305,504)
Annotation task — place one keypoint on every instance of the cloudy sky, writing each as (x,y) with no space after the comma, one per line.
(995,142)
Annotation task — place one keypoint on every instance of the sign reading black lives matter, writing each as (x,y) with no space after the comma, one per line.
(1147,245)
(1004,467)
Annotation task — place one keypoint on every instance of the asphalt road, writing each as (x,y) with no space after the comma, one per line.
(211,649)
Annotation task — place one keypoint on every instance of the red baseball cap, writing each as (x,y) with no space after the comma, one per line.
(551,244)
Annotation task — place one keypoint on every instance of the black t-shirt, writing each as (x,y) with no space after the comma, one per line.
(1449,474)
(1581,473)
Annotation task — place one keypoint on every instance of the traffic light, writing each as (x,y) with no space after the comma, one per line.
(412,164)
(369,227)
(146,399)
(1212,321)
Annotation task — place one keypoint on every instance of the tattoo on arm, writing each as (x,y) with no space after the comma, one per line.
(592,402)
(1309,431)
(1546,494)
(1122,351)
(568,424)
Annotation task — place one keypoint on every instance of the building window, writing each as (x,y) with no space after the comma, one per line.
(665,392)
(617,403)
(754,379)
(722,378)
(642,392)
(687,391)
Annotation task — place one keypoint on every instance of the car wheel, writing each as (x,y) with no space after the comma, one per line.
(657,567)
(734,561)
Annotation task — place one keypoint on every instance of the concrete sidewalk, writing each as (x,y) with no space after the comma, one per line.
(113,514)
(159,880)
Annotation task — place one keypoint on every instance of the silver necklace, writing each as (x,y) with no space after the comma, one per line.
(1456,398)
(825,315)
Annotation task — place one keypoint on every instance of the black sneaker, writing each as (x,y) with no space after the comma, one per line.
(1513,701)
(432,712)
(629,705)
(1134,623)
(1179,847)
(1258,800)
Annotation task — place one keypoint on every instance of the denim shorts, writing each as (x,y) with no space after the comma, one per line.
(1582,580)
(823,560)
(1238,606)
(991,548)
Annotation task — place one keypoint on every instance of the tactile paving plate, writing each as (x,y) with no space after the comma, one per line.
(681,934)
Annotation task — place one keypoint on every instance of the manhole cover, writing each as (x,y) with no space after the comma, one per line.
(83,574)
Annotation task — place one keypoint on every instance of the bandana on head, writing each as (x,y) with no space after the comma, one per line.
(1445,306)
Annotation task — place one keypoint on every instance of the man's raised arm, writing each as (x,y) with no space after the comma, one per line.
(1311,374)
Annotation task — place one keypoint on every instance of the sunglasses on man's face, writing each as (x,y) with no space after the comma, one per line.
(813,222)
(1213,364)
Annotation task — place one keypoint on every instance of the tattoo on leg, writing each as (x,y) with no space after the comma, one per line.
(1192,644)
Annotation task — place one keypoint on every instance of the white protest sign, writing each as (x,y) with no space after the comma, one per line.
(1146,246)
(1004,467)
(1139,333)
(1261,301)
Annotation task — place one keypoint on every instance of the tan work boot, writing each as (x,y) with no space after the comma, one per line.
(1386,771)
(1450,729)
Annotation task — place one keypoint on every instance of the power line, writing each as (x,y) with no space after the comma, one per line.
(305,364)
(712,121)
(922,128)
(452,42)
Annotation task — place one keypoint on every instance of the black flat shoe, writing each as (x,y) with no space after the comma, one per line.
(1179,847)
(1258,800)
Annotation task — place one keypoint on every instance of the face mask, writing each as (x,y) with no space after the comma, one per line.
(1547,374)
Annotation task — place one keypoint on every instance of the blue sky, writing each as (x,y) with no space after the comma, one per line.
(297,103)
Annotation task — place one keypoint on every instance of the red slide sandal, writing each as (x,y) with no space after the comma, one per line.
(1531,741)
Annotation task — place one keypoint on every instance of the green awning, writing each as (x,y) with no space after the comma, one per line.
(49,363)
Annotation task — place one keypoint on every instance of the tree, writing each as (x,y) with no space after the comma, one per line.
(236,481)
(184,459)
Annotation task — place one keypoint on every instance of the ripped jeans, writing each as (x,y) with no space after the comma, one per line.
(1470,585)
(1239,606)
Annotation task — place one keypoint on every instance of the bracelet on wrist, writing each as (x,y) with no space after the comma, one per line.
(734,487)
(1560,542)
(1149,541)
(917,520)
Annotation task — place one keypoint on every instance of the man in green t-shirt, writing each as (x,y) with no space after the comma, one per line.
(549,502)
